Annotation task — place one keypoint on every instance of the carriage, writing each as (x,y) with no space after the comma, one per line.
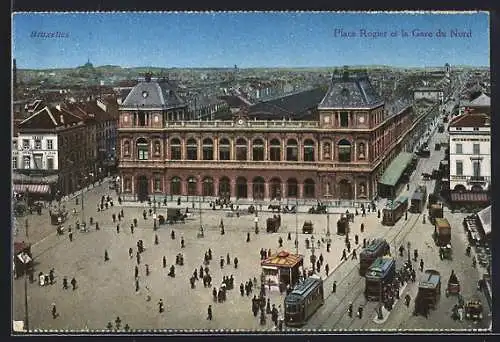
(307,227)
(273,224)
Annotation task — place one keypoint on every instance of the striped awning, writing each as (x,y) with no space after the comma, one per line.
(33,188)
(469,196)
(282,259)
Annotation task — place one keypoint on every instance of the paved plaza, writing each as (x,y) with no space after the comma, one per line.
(106,289)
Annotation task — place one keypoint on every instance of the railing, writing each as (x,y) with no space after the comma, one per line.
(230,124)
(470,179)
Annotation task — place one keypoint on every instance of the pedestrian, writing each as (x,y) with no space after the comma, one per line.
(354,255)
(118,322)
(132,228)
(221,262)
(118,228)
(289,238)
(51,276)
(97,225)
(328,246)
(73,283)
(248,237)
(421,265)
(164,262)
(121,213)
(334,287)
(364,242)
(106,256)
(214,294)
(356,239)
(344,255)
(65,283)
(269,253)
(242,290)
(147,269)
(160,306)
(415,254)
(136,285)
(228,259)
(135,222)
(182,242)
(321,259)
(172,235)
(130,252)
(209,254)
(138,257)
(70,235)
(280,242)
(378,213)
(54,311)
(114,218)
(156,239)
(406,216)
(360,312)
(327,269)
(209,313)
(136,272)
(348,245)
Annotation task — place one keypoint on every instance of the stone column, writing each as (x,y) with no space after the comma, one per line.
(284,193)
(266,190)
(216,187)
(249,151)
(355,188)
(249,190)
(199,187)
(266,149)
(301,190)
(132,185)
(232,184)
(216,148)
(200,149)
(183,148)
(355,151)
(283,149)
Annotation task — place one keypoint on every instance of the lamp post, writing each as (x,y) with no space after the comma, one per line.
(296,226)
(328,238)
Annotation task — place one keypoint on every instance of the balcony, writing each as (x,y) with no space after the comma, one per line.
(253,124)
(476,179)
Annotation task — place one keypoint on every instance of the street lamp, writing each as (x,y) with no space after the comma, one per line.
(296,226)
(328,234)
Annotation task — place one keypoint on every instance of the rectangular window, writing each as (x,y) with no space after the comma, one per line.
(37,158)
(175,152)
(49,144)
(458,148)
(476,149)
(476,169)
(143,154)
(14,163)
(50,163)
(460,168)
(344,119)
(26,143)
(26,162)
(38,144)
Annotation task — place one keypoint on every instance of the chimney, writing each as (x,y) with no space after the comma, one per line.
(58,107)
(61,118)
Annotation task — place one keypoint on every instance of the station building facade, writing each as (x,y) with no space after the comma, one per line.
(338,155)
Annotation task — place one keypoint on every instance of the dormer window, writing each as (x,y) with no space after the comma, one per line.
(145,94)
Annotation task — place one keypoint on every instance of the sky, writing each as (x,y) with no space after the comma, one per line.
(189,40)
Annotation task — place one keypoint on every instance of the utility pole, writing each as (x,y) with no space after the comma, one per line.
(297,226)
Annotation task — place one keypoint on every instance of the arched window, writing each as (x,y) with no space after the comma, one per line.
(241,187)
(192,186)
(275,150)
(292,187)
(292,150)
(224,149)
(327,151)
(142,149)
(175,149)
(175,186)
(208,187)
(208,149)
(224,187)
(275,190)
(258,188)
(309,188)
(127,184)
(192,149)
(241,149)
(258,150)
(126,148)
(344,151)
(157,148)
(308,150)
(361,151)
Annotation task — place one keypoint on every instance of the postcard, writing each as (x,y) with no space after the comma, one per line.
(236,172)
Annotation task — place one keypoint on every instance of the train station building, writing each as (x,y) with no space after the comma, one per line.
(338,154)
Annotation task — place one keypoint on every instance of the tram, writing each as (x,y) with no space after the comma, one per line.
(380,274)
(377,248)
(394,211)
(303,301)
(417,204)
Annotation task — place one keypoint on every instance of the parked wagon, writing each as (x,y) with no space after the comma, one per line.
(343,225)
(442,232)
(435,211)
(307,227)
(273,224)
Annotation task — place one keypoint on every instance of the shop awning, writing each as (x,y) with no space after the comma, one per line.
(33,188)
(485,218)
(21,178)
(396,168)
(469,196)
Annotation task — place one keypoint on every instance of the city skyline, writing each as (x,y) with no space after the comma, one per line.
(249,40)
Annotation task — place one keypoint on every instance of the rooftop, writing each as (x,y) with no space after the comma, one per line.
(153,94)
(350,91)
(471,120)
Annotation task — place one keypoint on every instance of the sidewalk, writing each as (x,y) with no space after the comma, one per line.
(385,312)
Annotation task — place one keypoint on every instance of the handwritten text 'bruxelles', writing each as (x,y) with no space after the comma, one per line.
(403,33)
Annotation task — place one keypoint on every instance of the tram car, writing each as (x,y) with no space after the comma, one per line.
(417,203)
(394,211)
(377,248)
(378,276)
(435,211)
(303,301)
